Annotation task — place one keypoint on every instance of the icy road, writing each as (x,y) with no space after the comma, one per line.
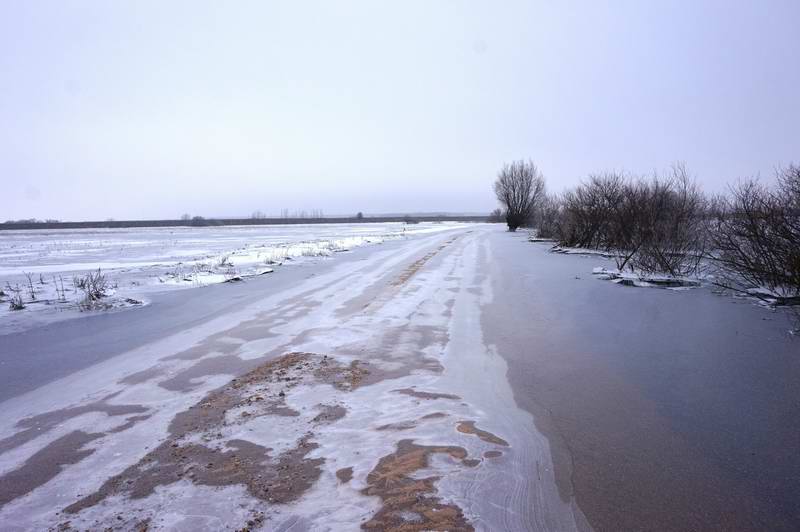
(454,380)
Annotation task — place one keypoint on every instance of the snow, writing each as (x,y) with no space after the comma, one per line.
(142,261)
(578,251)
(646,280)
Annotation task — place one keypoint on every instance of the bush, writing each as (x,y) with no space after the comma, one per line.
(654,225)
(16,303)
(756,237)
(589,210)
(548,216)
(660,226)
(749,238)
(94,285)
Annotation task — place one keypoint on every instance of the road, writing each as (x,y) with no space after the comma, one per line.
(460,380)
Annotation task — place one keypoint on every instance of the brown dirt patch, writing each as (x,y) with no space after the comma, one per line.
(410,504)
(278,479)
(345,378)
(492,454)
(260,392)
(123,522)
(345,474)
(468,427)
(417,265)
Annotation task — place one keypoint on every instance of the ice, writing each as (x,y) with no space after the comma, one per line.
(646,280)
(406,322)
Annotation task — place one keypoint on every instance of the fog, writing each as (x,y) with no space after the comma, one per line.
(152,110)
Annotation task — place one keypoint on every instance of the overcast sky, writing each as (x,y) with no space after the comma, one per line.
(151,109)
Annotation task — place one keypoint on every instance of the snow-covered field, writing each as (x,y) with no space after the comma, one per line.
(44,268)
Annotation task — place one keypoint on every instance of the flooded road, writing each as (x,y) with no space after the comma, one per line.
(466,380)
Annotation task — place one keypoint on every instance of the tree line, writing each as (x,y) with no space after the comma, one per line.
(749,237)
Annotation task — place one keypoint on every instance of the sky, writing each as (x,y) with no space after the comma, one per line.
(151,109)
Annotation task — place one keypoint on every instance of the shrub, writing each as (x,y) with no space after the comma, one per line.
(654,225)
(548,217)
(94,285)
(590,209)
(16,303)
(756,237)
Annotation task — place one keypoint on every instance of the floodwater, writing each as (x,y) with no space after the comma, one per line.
(665,410)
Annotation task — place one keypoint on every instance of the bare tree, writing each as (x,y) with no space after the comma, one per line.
(519,186)
(496,216)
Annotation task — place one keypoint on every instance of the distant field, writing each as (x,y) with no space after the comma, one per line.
(112,224)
